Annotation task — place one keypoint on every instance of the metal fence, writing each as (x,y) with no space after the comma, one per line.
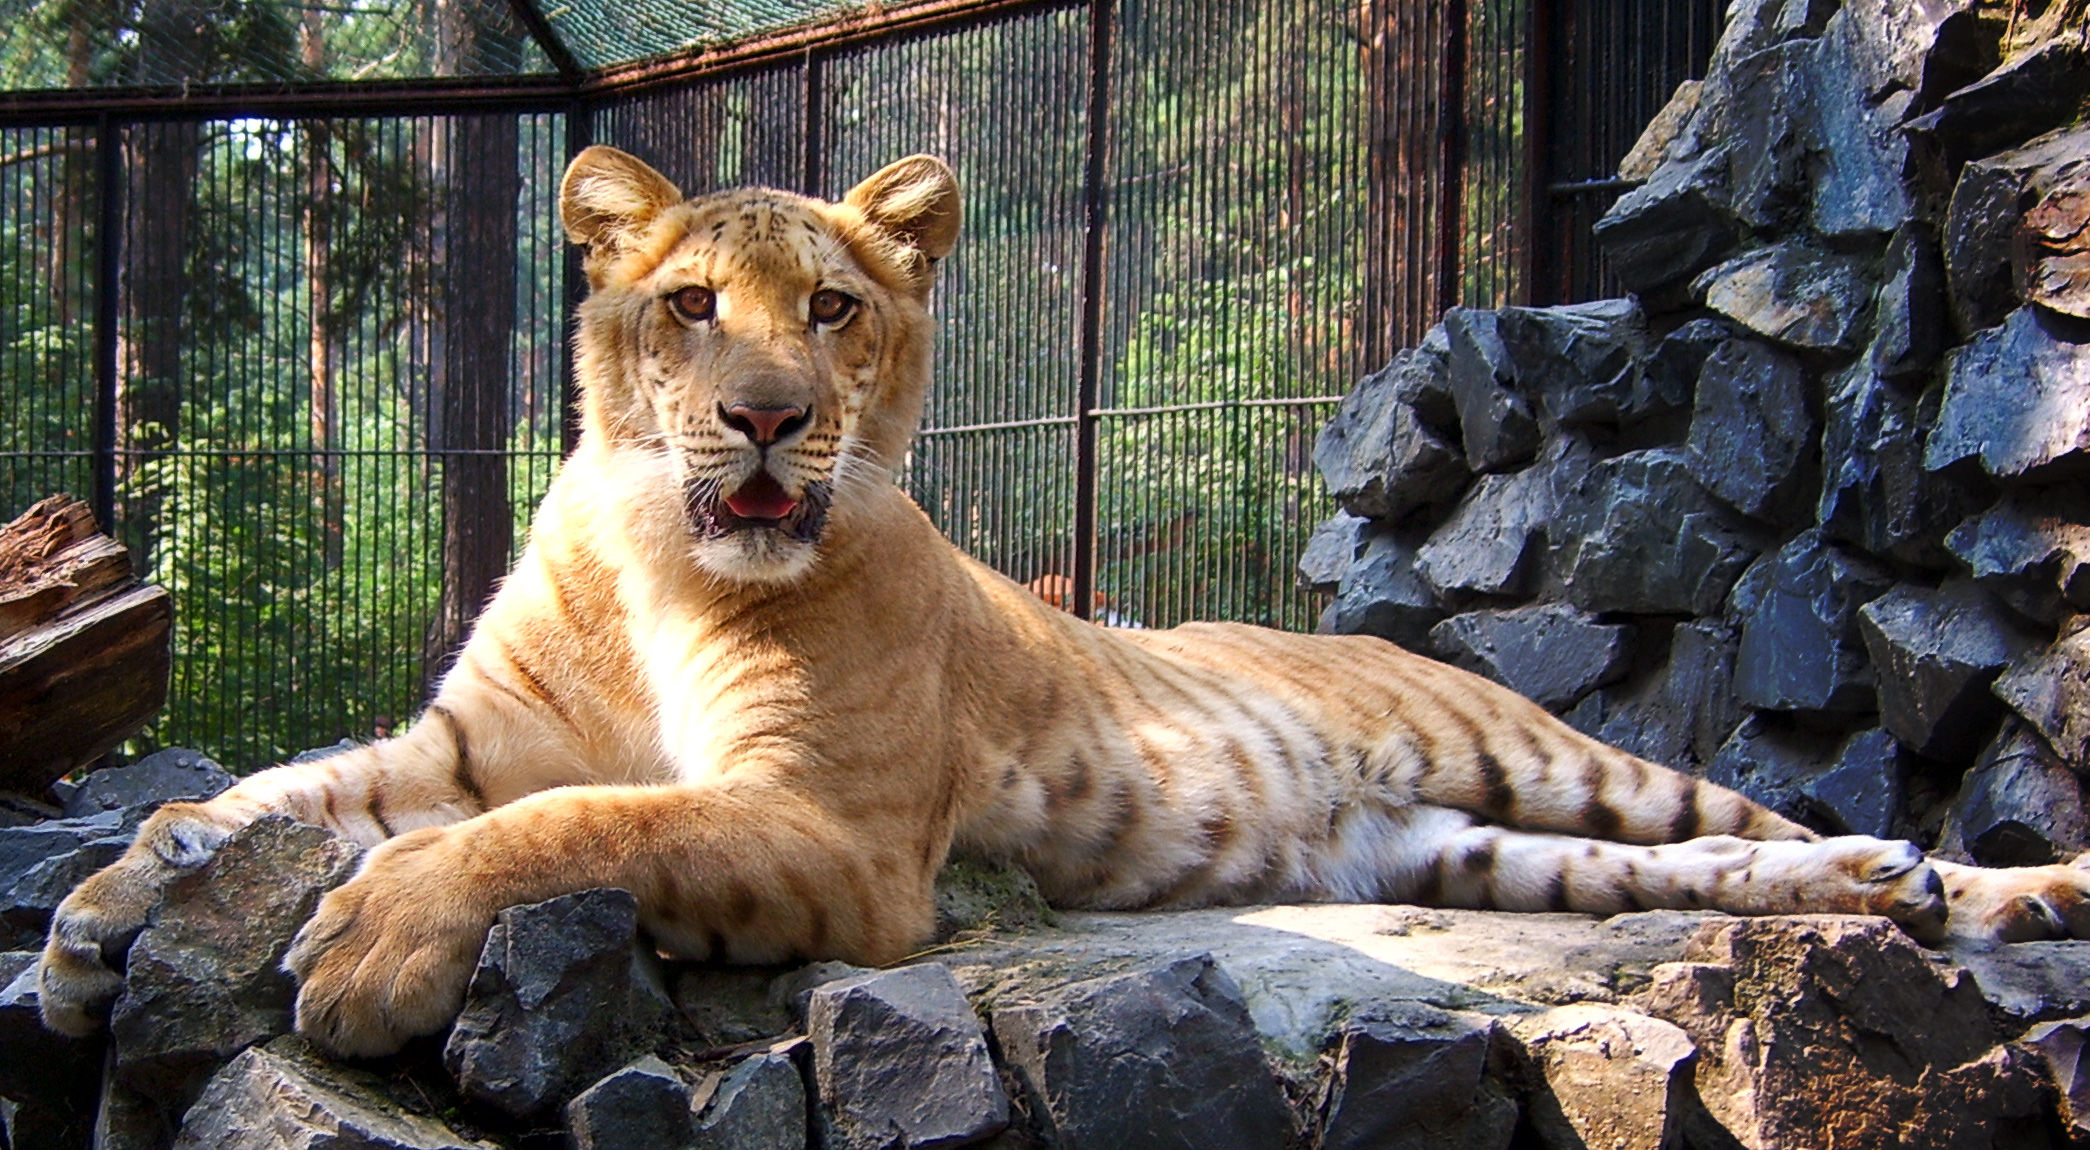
(307,350)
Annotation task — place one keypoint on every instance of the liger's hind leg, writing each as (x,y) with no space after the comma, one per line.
(1490,867)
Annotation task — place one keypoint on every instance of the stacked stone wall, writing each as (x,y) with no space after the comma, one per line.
(1807,512)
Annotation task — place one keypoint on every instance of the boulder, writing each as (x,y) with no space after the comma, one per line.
(1549,653)
(1760,107)
(1828,1031)
(2032,551)
(1329,552)
(1678,713)
(1673,366)
(1637,533)
(2060,1046)
(41,863)
(1936,652)
(2018,403)
(1491,542)
(1861,792)
(1379,457)
(900,1060)
(1658,236)
(1774,763)
(1495,422)
(1857,147)
(39,1065)
(1753,430)
(1876,494)
(1381,594)
(2051,692)
(1795,294)
(205,980)
(1583,363)
(1164,1056)
(2050,260)
(1910,318)
(281,1095)
(644,1103)
(563,993)
(1993,251)
(2020,805)
(1800,647)
(1611,1077)
(1414,1077)
(759,1104)
(160,777)
(2034,91)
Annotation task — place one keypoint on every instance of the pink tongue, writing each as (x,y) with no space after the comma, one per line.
(760,498)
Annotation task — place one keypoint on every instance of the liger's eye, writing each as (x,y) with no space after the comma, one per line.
(829,306)
(695,304)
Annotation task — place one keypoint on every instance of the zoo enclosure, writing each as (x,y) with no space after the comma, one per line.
(290,301)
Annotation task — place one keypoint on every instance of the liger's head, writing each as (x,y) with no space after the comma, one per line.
(767,350)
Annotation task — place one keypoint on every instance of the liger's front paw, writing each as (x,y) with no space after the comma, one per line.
(388,954)
(93,928)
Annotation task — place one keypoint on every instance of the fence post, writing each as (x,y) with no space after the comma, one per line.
(1094,212)
(108,174)
(1451,145)
(814,167)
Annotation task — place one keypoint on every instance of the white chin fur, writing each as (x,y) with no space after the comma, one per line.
(758,556)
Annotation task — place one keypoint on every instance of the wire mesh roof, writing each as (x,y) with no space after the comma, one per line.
(98,44)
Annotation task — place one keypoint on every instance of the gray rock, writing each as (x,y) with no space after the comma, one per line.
(1491,542)
(760,1104)
(1856,144)
(900,1060)
(1753,431)
(38,1064)
(2051,691)
(1413,1077)
(1794,294)
(1661,234)
(1549,653)
(1382,594)
(27,903)
(1987,214)
(1681,712)
(1861,793)
(2020,805)
(2018,402)
(1495,422)
(2060,1045)
(162,776)
(1875,493)
(1379,457)
(1928,49)
(1664,135)
(1801,650)
(1911,316)
(1329,552)
(563,993)
(1761,106)
(1936,653)
(1637,533)
(205,980)
(2050,264)
(1161,1057)
(281,1096)
(1611,1077)
(2034,91)
(643,1104)
(1583,362)
(2032,551)
(1773,763)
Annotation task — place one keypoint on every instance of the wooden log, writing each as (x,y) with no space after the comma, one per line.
(84,649)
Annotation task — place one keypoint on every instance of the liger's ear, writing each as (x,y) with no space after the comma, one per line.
(915,201)
(609,195)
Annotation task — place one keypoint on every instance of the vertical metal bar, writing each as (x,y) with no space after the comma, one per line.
(813,169)
(580,132)
(1533,221)
(1094,205)
(108,267)
(1451,145)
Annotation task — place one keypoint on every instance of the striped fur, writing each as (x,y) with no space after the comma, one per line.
(775,728)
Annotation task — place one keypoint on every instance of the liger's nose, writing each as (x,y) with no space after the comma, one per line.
(763,425)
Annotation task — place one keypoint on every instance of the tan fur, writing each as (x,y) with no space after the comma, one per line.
(775,732)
